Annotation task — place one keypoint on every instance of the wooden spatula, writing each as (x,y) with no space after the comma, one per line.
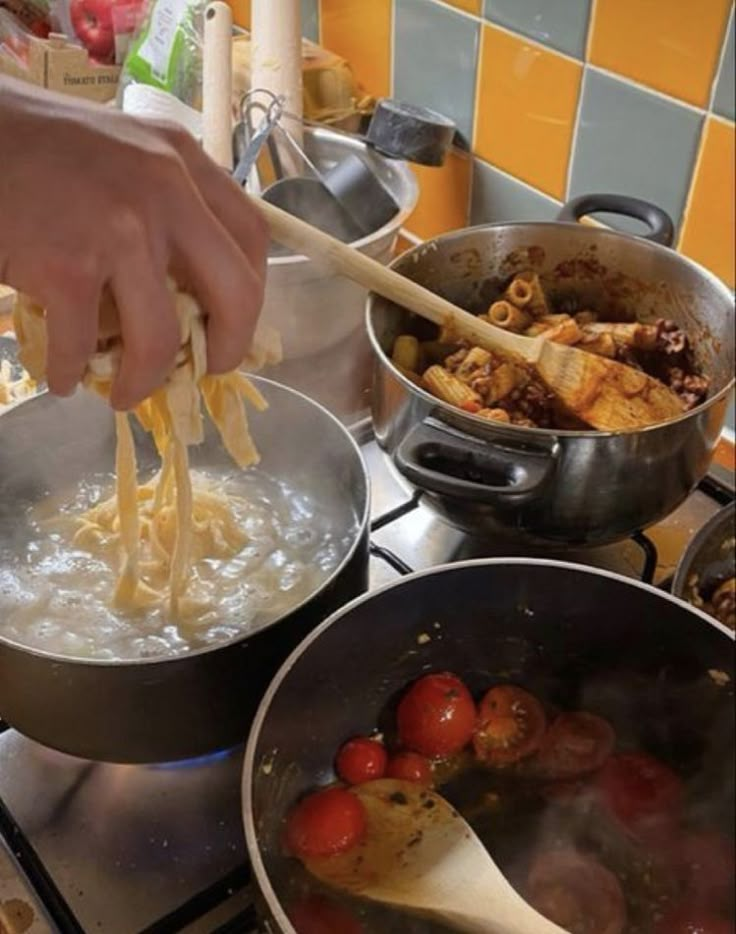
(603,393)
(421,856)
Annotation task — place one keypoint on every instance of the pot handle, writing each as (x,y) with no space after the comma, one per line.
(443,460)
(661,228)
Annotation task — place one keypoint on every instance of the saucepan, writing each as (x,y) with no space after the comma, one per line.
(159,709)
(547,487)
(578,638)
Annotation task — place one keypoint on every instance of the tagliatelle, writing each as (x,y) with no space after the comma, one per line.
(166,518)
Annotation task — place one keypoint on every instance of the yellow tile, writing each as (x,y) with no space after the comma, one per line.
(710,218)
(671,45)
(361,33)
(470,6)
(241,12)
(525,109)
(444,197)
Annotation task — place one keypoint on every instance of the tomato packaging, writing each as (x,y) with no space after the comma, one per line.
(14,39)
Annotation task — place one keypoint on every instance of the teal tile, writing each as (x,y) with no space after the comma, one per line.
(310,19)
(435,59)
(499,198)
(723,100)
(633,142)
(561,24)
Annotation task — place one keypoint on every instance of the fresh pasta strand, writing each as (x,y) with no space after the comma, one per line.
(167,515)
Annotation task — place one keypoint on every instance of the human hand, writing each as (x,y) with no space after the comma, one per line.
(90,199)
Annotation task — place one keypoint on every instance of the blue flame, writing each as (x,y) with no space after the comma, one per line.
(197,762)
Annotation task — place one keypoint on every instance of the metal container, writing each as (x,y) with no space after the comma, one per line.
(160,710)
(613,646)
(314,309)
(549,486)
(710,553)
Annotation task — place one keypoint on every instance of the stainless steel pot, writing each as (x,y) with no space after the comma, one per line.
(711,553)
(613,646)
(538,486)
(160,710)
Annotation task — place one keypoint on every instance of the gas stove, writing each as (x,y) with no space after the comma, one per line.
(116,849)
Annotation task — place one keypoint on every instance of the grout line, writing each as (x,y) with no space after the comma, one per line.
(694,172)
(645,87)
(478,81)
(575,131)
(320,37)
(520,181)
(592,12)
(411,237)
(392,56)
(511,32)
(726,121)
(721,59)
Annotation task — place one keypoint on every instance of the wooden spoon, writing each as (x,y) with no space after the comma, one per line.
(604,393)
(420,855)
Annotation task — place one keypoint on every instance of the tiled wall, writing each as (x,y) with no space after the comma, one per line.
(554,98)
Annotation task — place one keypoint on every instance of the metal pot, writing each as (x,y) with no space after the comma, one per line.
(613,646)
(160,710)
(313,309)
(549,486)
(712,549)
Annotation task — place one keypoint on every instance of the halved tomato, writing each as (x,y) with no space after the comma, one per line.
(315,914)
(324,824)
(706,867)
(574,744)
(577,892)
(641,792)
(511,723)
(690,920)
(436,716)
(410,767)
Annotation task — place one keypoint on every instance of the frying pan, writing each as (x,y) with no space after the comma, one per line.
(578,638)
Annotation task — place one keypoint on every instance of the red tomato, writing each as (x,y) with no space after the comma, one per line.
(686,920)
(576,892)
(315,914)
(640,791)
(92,22)
(436,716)
(324,824)
(706,867)
(471,406)
(410,767)
(511,724)
(361,760)
(574,744)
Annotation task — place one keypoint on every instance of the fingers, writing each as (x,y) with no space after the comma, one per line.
(71,325)
(149,329)
(229,290)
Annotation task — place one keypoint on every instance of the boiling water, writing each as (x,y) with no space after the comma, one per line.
(57,597)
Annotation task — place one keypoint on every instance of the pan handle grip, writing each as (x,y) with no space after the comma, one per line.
(661,228)
(443,460)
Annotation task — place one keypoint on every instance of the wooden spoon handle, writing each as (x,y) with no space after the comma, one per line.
(217,83)
(347,261)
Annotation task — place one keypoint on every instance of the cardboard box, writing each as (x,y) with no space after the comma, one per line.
(59,65)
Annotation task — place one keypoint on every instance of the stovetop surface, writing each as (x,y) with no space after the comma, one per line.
(125,849)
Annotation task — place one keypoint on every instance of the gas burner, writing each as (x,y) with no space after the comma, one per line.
(196,763)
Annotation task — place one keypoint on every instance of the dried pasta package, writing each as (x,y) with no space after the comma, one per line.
(175,522)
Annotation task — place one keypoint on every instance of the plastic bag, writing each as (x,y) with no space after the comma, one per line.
(167,52)
(103,27)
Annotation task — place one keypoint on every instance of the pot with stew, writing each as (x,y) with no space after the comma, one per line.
(581,722)
(485,439)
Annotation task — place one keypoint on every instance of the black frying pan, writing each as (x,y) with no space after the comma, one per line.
(576,637)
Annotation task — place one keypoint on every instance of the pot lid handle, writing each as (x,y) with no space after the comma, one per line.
(661,228)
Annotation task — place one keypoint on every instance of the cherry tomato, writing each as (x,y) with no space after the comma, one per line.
(436,716)
(706,867)
(688,920)
(471,406)
(576,892)
(325,823)
(511,724)
(361,760)
(640,791)
(574,744)
(410,767)
(315,914)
